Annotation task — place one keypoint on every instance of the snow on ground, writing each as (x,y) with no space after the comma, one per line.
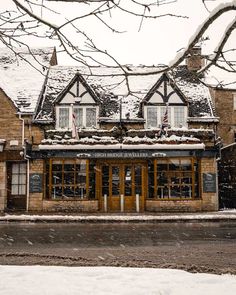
(139,217)
(25,280)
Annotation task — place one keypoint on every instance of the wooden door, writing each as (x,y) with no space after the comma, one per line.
(16,185)
(123,186)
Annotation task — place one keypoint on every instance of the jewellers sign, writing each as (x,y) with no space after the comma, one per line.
(120,155)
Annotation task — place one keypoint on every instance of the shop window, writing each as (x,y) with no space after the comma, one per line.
(67,179)
(173,179)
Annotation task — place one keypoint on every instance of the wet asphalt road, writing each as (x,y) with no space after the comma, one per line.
(209,247)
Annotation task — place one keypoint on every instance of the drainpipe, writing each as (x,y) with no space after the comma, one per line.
(27,161)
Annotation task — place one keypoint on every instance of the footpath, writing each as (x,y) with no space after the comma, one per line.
(220,216)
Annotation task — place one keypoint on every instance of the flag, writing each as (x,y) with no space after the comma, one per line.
(74,125)
(164,123)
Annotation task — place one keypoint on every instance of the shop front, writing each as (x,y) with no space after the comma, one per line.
(128,181)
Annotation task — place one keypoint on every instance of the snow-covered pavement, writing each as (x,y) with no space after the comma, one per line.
(223,215)
(57,280)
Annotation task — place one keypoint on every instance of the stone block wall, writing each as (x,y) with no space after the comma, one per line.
(36,199)
(3,189)
(224,105)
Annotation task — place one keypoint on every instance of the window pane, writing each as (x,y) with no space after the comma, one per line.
(22,168)
(22,189)
(163,111)
(64,117)
(179,119)
(79,117)
(90,117)
(15,168)
(15,179)
(14,189)
(151,117)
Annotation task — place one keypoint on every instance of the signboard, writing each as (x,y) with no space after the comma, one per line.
(120,155)
(35,183)
(209,182)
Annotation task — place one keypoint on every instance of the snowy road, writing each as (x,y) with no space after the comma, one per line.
(205,247)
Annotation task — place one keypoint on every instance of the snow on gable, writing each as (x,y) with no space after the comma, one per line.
(77,91)
(104,82)
(164,91)
(23,75)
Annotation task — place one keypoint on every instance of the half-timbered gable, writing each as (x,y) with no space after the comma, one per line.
(165,95)
(80,100)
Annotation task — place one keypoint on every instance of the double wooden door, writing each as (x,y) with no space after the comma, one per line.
(122,186)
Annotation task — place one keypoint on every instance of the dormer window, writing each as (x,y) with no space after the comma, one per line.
(177,116)
(86,116)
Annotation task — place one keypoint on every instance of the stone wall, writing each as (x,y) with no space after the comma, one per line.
(3,190)
(10,124)
(70,206)
(223,100)
(36,199)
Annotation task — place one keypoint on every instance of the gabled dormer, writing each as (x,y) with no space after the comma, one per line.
(165,93)
(77,98)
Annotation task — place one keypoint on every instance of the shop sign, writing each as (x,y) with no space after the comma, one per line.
(121,155)
(35,183)
(209,182)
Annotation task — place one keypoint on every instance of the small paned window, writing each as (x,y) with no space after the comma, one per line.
(90,117)
(63,117)
(179,119)
(79,117)
(18,182)
(152,117)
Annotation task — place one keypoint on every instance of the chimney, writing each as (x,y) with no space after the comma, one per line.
(195,61)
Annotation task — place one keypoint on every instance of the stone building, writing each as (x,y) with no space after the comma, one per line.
(75,141)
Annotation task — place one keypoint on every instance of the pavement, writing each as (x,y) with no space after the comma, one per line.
(223,215)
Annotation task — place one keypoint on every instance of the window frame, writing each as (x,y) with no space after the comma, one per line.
(74,107)
(195,176)
(171,115)
(50,185)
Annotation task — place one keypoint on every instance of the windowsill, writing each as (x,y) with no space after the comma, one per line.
(173,199)
(70,199)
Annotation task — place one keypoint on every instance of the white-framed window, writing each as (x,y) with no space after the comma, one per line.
(177,116)
(152,117)
(86,116)
(91,117)
(79,116)
(64,117)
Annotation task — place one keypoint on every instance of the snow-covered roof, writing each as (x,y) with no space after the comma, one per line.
(109,81)
(22,75)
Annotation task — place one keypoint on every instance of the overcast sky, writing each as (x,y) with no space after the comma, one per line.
(159,39)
